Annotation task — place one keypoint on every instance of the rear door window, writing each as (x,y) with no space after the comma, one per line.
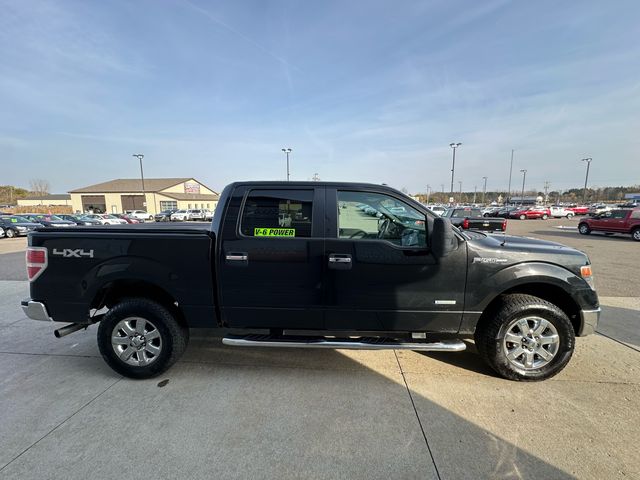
(277,214)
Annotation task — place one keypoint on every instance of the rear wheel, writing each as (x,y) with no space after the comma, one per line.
(525,338)
(584,229)
(545,216)
(10,233)
(636,234)
(569,216)
(139,338)
(523,217)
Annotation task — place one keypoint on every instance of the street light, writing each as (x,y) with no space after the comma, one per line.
(453,164)
(586,178)
(287,151)
(460,183)
(140,156)
(428,192)
(484,189)
(524,176)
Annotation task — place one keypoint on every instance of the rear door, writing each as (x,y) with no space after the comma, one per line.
(381,274)
(271,258)
(618,221)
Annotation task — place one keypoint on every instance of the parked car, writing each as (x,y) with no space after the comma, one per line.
(79,220)
(126,217)
(139,215)
(16,226)
(181,216)
(598,208)
(437,209)
(208,214)
(469,218)
(628,205)
(164,216)
(1,232)
(197,214)
(48,220)
(579,209)
(616,221)
(505,211)
(530,213)
(560,212)
(106,219)
(490,211)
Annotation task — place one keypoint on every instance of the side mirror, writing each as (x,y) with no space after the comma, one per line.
(442,237)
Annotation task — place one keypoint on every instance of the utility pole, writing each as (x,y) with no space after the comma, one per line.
(287,151)
(546,191)
(586,178)
(524,176)
(484,189)
(510,171)
(475,190)
(460,183)
(428,192)
(454,146)
(140,156)
(316,177)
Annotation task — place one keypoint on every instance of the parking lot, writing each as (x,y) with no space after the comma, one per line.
(263,413)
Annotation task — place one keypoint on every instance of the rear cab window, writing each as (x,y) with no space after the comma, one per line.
(278,214)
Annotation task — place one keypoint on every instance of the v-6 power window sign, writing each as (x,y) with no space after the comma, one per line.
(274,232)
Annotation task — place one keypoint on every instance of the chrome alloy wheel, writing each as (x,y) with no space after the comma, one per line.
(136,341)
(530,343)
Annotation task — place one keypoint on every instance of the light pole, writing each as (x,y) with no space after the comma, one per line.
(484,189)
(428,192)
(524,177)
(510,171)
(460,184)
(287,151)
(586,178)
(453,164)
(140,156)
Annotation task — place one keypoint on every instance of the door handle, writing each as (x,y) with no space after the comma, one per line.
(340,261)
(238,259)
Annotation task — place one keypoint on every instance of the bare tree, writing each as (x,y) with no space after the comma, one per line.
(39,186)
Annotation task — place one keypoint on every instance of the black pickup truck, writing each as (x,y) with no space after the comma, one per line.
(306,264)
(469,218)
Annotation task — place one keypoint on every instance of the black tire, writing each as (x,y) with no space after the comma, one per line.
(635,234)
(491,331)
(523,217)
(569,216)
(10,233)
(174,337)
(584,229)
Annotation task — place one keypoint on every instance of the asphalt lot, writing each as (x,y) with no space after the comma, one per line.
(265,413)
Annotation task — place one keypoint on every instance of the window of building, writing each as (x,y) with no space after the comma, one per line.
(374,216)
(277,213)
(208,205)
(189,206)
(168,205)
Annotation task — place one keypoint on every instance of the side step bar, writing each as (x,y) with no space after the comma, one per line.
(344,343)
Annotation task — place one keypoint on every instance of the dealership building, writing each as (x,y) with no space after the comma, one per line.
(117,196)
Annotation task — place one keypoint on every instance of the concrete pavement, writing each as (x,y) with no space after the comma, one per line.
(285,413)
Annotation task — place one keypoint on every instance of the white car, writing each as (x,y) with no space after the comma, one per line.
(140,215)
(437,209)
(106,219)
(181,216)
(559,212)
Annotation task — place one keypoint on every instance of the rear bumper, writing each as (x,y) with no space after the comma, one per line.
(35,310)
(588,322)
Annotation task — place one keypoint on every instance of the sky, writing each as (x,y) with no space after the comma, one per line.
(370,91)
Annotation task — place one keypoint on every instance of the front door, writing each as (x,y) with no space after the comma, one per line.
(270,263)
(381,274)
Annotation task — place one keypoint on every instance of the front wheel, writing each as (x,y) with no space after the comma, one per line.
(636,234)
(569,216)
(139,338)
(523,217)
(525,338)
(584,229)
(10,233)
(545,216)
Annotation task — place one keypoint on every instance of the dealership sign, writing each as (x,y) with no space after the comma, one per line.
(191,187)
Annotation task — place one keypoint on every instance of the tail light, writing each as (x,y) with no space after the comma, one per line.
(504,225)
(465,224)
(37,261)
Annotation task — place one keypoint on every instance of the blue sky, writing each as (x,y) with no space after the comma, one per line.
(361,91)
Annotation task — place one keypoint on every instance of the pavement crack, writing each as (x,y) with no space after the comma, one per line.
(59,425)
(415,410)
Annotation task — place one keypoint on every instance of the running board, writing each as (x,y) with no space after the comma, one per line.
(372,343)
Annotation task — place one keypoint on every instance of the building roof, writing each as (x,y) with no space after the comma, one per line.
(49,196)
(124,185)
(191,196)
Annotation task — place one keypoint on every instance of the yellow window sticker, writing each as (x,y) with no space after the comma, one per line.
(274,232)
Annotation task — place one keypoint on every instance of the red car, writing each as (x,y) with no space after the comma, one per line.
(615,221)
(532,212)
(579,210)
(126,218)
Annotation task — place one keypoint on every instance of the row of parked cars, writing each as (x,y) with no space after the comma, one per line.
(202,214)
